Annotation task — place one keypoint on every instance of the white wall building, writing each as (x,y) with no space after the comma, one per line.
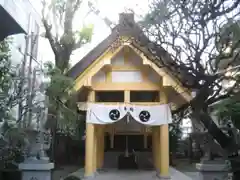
(24,14)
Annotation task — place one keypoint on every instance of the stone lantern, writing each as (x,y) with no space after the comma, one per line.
(36,164)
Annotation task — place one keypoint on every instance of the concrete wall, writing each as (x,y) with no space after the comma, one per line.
(20,10)
(27,16)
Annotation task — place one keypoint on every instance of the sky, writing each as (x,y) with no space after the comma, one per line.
(109,9)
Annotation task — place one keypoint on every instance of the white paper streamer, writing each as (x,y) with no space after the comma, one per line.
(159,114)
(99,113)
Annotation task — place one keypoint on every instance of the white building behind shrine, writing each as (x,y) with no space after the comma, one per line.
(25,46)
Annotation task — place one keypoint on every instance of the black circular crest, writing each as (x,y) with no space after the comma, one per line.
(114,114)
(144,116)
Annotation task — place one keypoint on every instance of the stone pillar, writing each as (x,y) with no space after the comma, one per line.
(36,164)
(36,170)
(213,170)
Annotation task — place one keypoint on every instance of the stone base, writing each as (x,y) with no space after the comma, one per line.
(163,177)
(213,170)
(39,171)
(235,165)
(91,176)
(101,170)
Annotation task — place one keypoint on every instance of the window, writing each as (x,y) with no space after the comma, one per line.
(144,96)
(126,76)
(110,96)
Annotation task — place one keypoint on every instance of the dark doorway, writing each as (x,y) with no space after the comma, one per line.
(133,142)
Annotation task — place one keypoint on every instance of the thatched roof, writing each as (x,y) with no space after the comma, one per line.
(128,27)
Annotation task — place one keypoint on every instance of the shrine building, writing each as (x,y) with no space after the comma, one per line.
(127,93)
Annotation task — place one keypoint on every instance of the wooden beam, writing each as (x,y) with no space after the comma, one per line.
(83,105)
(127,96)
(168,79)
(103,60)
(146,86)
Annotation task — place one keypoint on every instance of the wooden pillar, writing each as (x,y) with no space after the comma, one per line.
(164,151)
(103,146)
(99,147)
(90,143)
(153,149)
(100,155)
(163,135)
(155,146)
(158,147)
(96,147)
(89,152)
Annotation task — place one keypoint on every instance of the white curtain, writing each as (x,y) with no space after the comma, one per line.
(100,113)
(152,115)
(148,115)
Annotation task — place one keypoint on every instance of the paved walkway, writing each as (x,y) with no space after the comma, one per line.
(114,174)
(64,171)
(138,175)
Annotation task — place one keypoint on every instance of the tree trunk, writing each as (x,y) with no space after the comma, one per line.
(226,142)
(54,132)
(53,145)
(190,150)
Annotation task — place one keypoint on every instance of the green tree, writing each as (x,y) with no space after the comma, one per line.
(12,139)
(60,86)
(229,109)
(192,32)
(5,77)
(202,41)
(58,17)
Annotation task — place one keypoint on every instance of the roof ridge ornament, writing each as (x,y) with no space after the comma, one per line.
(126,17)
